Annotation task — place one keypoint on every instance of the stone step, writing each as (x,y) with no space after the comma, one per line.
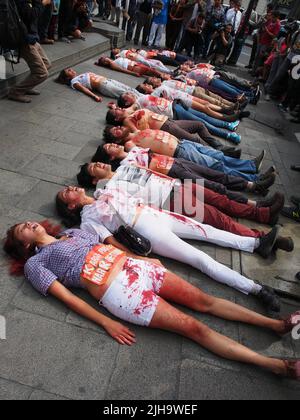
(61,55)
(115,34)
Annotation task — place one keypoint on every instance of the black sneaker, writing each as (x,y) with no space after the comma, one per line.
(295,168)
(268,202)
(292,213)
(244,114)
(262,185)
(259,160)
(285,244)
(268,173)
(267,243)
(269,298)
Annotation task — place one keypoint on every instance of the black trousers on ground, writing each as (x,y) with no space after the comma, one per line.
(213,180)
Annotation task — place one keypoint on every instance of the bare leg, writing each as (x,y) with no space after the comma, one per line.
(170,319)
(207,110)
(177,290)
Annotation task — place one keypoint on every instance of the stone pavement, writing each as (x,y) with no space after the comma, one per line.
(51,353)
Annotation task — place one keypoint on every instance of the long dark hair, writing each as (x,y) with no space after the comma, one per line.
(63,79)
(17,251)
(102,156)
(70,217)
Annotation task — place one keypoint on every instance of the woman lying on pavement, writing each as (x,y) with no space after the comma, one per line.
(115,155)
(88,83)
(134,55)
(189,101)
(124,65)
(133,290)
(174,110)
(165,144)
(194,90)
(183,130)
(216,209)
(168,58)
(165,231)
(222,82)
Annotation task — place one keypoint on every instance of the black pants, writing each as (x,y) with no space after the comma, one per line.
(193,131)
(213,180)
(44,22)
(143,22)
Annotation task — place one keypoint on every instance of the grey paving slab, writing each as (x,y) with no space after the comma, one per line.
(46,165)
(12,391)
(202,381)
(56,357)
(149,370)
(45,396)
(41,199)
(29,300)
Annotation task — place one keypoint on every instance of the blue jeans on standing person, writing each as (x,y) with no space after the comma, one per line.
(214,126)
(230,89)
(216,160)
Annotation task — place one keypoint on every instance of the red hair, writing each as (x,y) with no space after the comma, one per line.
(15,249)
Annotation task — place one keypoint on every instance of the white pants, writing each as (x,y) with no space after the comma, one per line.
(160,31)
(166,231)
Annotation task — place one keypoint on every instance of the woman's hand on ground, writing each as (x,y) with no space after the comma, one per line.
(120,333)
(98,98)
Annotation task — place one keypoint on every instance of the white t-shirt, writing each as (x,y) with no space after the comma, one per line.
(124,63)
(83,79)
(165,91)
(138,157)
(204,75)
(157,105)
(102,217)
(178,85)
(153,189)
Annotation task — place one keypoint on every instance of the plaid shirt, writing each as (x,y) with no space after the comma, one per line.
(61,261)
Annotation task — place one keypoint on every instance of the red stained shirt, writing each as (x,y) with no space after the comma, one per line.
(274,28)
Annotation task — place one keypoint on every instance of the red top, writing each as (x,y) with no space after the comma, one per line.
(274,28)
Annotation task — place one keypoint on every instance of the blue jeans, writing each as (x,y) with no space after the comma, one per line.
(216,160)
(191,114)
(230,89)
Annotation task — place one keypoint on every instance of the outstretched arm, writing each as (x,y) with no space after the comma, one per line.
(116,330)
(87,92)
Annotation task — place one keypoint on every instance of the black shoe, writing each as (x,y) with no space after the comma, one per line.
(295,120)
(295,200)
(262,185)
(285,244)
(295,168)
(249,67)
(269,298)
(244,114)
(267,243)
(276,208)
(231,152)
(259,161)
(292,213)
(268,173)
(268,202)
(298,276)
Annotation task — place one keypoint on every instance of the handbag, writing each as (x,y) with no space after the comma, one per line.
(130,238)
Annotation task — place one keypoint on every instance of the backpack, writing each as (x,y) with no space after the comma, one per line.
(12,29)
